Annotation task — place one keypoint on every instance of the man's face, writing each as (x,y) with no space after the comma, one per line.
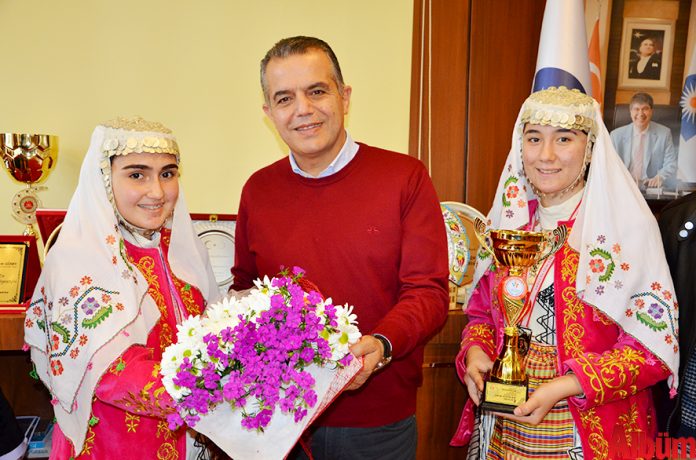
(641,114)
(306,106)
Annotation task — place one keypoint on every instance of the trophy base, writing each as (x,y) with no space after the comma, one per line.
(503,397)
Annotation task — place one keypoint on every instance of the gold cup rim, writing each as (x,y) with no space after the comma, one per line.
(517,235)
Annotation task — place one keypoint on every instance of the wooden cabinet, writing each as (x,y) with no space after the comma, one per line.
(11,331)
(442,396)
(26,395)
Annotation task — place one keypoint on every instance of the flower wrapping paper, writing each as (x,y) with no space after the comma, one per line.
(223,424)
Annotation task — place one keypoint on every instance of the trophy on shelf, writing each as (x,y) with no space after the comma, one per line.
(514,253)
(28,159)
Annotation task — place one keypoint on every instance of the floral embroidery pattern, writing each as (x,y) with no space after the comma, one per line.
(167,451)
(602,264)
(146,265)
(613,374)
(479,334)
(511,190)
(88,311)
(186,292)
(652,309)
(89,442)
(147,402)
(482,254)
(597,440)
(56,367)
(132,422)
(117,366)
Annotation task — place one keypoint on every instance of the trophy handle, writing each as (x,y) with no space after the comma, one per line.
(482,235)
(559,235)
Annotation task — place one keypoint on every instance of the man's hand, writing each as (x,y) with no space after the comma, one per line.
(477,365)
(372,351)
(655,182)
(544,398)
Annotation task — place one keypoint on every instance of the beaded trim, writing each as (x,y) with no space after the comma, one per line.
(137,124)
(562,107)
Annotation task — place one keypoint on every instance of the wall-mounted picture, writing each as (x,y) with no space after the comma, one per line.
(646,53)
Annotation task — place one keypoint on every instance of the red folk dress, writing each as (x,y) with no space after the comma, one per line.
(616,371)
(130,404)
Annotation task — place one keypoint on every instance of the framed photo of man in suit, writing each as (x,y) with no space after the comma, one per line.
(646,53)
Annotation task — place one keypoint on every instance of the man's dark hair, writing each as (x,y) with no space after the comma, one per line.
(641,98)
(299,45)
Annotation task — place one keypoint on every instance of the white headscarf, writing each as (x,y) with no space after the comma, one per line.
(622,269)
(90,303)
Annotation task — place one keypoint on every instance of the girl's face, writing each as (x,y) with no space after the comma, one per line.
(553,159)
(146,187)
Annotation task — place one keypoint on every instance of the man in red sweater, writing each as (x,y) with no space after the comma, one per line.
(366,226)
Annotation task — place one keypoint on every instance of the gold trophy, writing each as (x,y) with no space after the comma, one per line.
(513,251)
(28,159)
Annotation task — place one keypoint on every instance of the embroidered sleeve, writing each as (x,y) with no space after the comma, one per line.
(615,374)
(133,383)
(479,329)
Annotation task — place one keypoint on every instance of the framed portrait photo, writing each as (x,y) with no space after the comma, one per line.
(646,53)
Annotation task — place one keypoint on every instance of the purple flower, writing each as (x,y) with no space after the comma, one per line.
(264,417)
(307,355)
(210,377)
(345,360)
(599,290)
(262,360)
(174,421)
(310,398)
(655,311)
(313,297)
(191,420)
(300,413)
(90,305)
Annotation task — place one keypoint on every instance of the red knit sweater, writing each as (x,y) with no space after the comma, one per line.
(371,235)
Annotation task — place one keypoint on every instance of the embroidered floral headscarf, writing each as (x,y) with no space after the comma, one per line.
(90,303)
(622,269)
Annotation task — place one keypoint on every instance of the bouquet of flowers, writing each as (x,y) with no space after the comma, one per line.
(252,373)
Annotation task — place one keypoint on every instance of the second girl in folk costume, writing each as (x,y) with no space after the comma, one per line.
(603,316)
(125,270)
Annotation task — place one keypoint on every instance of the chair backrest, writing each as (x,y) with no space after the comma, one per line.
(467,214)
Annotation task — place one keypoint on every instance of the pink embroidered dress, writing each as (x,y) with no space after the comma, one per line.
(130,404)
(107,304)
(615,314)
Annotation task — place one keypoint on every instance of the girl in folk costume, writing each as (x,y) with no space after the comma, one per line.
(126,269)
(602,313)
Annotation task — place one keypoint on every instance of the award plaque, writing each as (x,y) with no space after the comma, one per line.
(13,257)
(217,233)
(19,270)
(513,252)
